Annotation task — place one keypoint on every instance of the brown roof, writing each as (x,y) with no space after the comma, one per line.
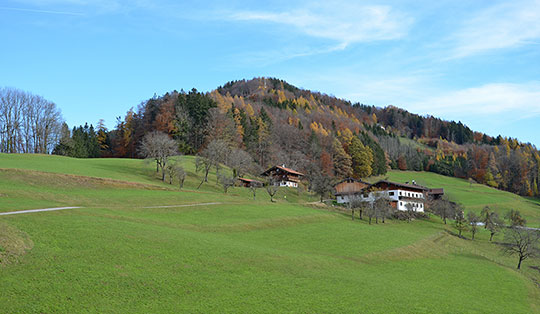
(410,186)
(249,180)
(284,169)
(436,191)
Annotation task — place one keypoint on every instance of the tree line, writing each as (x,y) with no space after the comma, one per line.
(28,123)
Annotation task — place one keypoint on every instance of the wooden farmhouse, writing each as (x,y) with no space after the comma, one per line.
(282,176)
(249,182)
(348,188)
(399,194)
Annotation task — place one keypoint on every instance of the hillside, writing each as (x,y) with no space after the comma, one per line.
(123,252)
(277,123)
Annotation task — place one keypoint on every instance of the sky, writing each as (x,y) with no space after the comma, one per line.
(472,61)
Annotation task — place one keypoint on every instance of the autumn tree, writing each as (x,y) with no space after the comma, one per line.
(342,161)
(362,158)
(515,218)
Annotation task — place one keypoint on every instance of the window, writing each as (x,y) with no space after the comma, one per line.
(391,193)
(400,203)
(399,193)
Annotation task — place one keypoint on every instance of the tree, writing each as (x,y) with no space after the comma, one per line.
(159,147)
(521,242)
(253,186)
(213,155)
(409,211)
(494,224)
(240,162)
(362,158)
(443,208)
(460,223)
(181,175)
(360,205)
(382,206)
(473,222)
(515,218)
(226,181)
(272,189)
(485,216)
(322,185)
(342,161)
(371,212)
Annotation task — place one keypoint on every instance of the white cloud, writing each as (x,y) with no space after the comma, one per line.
(507,25)
(513,100)
(341,22)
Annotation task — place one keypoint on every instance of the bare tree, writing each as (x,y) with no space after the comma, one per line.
(159,147)
(460,222)
(272,189)
(28,123)
(443,208)
(213,155)
(473,222)
(226,181)
(253,186)
(204,164)
(521,242)
(322,185)
(239,161)
(356,203)
(409,213)
(181,175)
(485,216)
(515,218)
(382,206)
(494,224)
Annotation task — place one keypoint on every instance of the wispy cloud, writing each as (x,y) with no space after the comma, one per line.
(515,100)
(42,11)
(505,25)
(340,22)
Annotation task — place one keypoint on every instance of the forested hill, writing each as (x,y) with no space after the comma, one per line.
(277,123)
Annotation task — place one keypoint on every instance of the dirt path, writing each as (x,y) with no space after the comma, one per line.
(37,210)
(183,205)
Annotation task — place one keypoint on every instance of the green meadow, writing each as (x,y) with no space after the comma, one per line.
(135,247)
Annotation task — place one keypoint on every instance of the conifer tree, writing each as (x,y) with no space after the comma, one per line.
(362,158)
(342,160)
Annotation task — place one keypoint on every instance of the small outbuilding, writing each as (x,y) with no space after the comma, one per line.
(249,182)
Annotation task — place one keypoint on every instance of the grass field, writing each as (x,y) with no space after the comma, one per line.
(122,253)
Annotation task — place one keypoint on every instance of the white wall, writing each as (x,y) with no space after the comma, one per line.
(392,195)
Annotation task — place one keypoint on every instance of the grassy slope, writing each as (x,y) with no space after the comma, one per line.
(474,197)
(239,256)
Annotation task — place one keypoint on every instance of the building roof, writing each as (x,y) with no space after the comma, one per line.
(249,180)
(436,191)
(283,169)
(404,185)
(351,179)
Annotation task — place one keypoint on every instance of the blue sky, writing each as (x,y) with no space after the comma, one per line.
(473,61)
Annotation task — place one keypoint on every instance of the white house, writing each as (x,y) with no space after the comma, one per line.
(398,194)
